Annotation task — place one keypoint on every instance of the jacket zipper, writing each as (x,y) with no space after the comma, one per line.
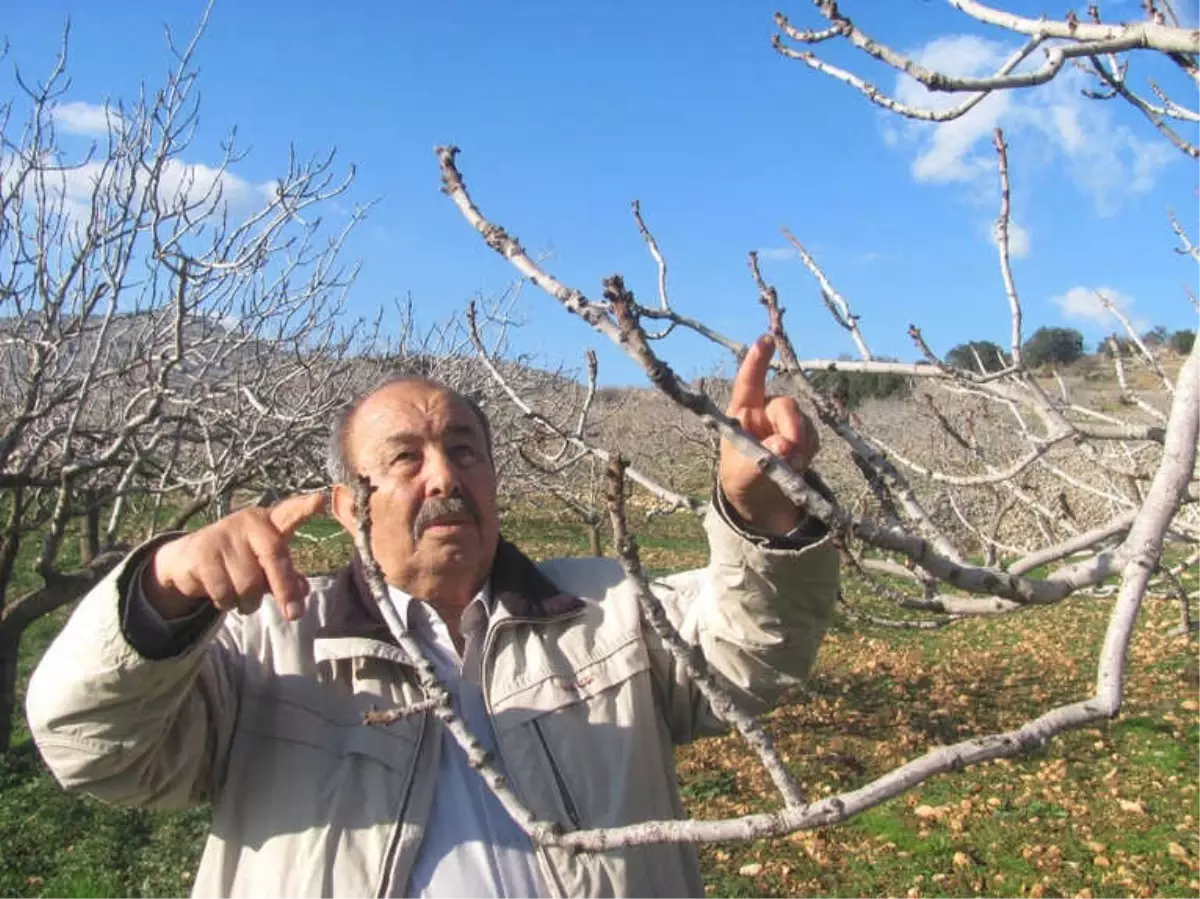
(389,856)
(552,878)
(568,802)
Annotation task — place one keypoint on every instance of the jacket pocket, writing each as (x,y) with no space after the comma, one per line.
(318,798)
(578,742)
(337,733)
(569,676)
(569,805)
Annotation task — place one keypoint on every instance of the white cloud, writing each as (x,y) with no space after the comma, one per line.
(952,151)
(179,183)
(1106,160)
(182,179)
(1019,242)
(85,119)
(1083,303)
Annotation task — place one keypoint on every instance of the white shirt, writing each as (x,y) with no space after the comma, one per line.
(472,846)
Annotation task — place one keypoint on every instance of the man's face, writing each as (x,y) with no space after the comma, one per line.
(435,525)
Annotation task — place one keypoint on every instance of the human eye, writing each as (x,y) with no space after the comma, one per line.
(406,456)
(464,453)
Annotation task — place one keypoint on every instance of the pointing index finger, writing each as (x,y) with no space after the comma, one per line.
(750,383)
(289,514)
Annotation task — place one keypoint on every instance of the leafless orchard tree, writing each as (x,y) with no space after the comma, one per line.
(1059,490)
(1140,467)
(554,440)
(172,338)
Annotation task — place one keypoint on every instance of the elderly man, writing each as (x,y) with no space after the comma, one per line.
(154,695)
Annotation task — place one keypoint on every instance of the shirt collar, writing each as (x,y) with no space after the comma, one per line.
(403,604)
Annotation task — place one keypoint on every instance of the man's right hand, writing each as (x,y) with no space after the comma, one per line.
(234,562)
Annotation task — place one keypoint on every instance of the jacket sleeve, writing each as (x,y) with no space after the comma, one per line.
(759,611)
(129,729)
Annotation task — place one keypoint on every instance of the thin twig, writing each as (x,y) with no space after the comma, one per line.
(1002,223)
(673,499)
(688,657)
(438,698)
(834,301)
(664,303)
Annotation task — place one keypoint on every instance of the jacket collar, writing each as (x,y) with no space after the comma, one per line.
(518,588)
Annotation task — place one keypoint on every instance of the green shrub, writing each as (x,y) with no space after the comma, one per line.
(1052,346)
(853,387)
(1181,342)
(993,357)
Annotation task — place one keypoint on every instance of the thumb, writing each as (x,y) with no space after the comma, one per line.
(289,514)
(781,446)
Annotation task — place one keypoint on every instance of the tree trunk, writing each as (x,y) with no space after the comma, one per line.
(596,546)
(25,610)
(8,691)
(89,539)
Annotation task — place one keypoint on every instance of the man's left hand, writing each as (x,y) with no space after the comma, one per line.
(782,427)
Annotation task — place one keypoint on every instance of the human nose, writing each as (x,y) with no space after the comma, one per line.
(441,477)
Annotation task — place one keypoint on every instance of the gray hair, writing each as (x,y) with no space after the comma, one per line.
(337,465)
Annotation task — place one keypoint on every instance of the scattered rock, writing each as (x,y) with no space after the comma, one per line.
(751,870)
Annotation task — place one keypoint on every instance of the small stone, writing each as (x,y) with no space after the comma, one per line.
(751,870)
(1134,806)
(1176,851)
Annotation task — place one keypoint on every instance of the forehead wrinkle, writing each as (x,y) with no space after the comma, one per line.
(401,401)
(409,411)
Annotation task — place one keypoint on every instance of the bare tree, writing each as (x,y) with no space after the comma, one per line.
(225,362)
(1114,488)
(912,532)
(1104,50)
(170,336)
(555,449)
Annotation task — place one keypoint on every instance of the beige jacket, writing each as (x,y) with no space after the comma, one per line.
(263,718)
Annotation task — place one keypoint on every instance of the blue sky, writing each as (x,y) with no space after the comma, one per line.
(567,112)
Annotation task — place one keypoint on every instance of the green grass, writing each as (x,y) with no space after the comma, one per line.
(878,698)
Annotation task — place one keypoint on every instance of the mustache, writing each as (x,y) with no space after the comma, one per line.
(442,507)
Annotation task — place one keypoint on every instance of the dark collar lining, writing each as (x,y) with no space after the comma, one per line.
(517,584)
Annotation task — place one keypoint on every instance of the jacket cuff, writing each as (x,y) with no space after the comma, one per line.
(149,634)
(809,530)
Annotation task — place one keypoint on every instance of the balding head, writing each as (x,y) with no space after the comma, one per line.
(337,453)
(426,450)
